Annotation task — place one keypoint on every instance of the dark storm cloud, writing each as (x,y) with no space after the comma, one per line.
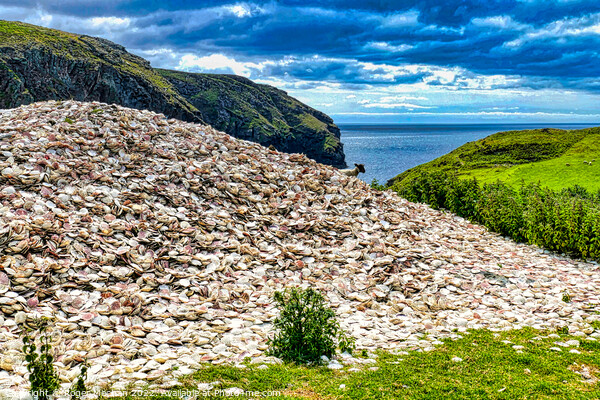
(551,42)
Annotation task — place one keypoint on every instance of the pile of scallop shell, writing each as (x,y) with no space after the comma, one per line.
(154,244)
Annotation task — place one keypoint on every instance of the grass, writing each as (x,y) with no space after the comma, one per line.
(331,143)
(313,123)
(554,173)
(210,95)
(21,34)
(490,369)
(553,157)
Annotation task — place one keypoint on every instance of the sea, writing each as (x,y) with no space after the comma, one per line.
(389,149)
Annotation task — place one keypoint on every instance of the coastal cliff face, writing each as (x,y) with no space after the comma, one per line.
(38,64)
(260,113)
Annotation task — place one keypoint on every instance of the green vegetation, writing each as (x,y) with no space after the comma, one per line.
(21,34)
(569,169)
(566,221)
(78,389)
(331,143)
(378,186)
(311,122)
(477,364)
(490,369)
(539,186)
(263,126)
(40,364)
(248,105)
(552,157)
(480,364)
(210,95)
(307,328)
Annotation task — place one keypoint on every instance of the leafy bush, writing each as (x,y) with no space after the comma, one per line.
(566,221)
(307,328)
(42,374)
(376,185)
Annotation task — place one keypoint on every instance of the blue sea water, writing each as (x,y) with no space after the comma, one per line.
(387,150)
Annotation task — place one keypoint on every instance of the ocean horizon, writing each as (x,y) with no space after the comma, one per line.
(390,149)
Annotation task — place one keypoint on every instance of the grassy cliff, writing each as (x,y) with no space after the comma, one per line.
(260,113)
(552,157)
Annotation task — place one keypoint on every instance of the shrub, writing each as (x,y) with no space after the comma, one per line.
(307,328)
(567,221)
(42,374)
(377,186)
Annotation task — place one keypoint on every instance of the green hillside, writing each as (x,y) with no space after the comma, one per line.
(552,157)
(260,113)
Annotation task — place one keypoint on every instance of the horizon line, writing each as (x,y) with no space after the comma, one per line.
(467,123)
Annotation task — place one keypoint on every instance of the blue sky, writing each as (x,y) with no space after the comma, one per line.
(368,61)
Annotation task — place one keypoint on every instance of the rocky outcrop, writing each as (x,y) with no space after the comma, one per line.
(39,64)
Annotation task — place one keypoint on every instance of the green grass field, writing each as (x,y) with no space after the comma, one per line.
(554,158)
(491,368)
(554,173)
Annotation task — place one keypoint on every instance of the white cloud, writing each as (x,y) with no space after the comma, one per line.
(110,22)
(111,28)
(159,57)
(446,29)
(388,47)
(418,77)
(40,19)
(394,105)
(452,77)
(390,102)
(386,72)
(499,22)
(392,99)
(32,16)
(568,27)
(477,114)
(217,63)
(398,20)
(155,52)
(239,10)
